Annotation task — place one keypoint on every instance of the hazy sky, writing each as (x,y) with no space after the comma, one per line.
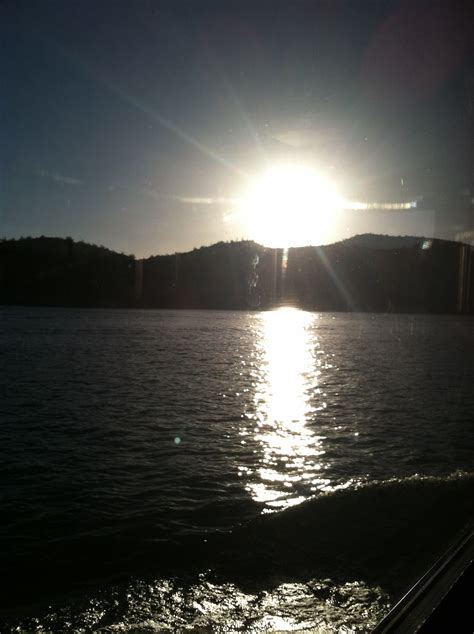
(137,124)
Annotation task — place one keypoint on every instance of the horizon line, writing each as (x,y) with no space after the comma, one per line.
(239,240)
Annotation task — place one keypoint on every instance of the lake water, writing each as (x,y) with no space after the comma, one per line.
(227,470)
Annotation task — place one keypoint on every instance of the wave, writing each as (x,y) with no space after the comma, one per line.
(361,547)
(386,533)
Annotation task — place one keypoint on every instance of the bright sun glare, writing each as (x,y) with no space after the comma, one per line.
(289,206)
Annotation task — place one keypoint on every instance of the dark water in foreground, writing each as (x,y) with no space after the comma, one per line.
(219,470)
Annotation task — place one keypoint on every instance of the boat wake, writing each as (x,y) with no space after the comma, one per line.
(332,563)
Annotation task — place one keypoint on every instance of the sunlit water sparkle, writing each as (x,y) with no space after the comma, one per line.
(125,430)
(287,366)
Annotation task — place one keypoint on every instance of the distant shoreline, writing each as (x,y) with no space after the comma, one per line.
(365,274)
(231,310)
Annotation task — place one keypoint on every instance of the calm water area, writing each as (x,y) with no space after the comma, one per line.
(226,470)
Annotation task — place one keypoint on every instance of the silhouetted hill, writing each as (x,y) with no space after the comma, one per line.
(364,273)
(61,272)
(374,241)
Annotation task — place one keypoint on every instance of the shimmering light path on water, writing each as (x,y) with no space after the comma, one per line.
(286,367)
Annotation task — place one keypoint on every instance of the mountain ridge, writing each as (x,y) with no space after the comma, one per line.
(367,272)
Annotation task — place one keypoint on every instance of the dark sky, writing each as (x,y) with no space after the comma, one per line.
(135,124)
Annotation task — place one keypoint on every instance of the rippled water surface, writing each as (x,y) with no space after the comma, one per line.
(126,435)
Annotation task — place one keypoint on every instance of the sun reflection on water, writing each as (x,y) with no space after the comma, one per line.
(286,401)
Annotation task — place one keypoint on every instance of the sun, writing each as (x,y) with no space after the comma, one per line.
(289,206)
